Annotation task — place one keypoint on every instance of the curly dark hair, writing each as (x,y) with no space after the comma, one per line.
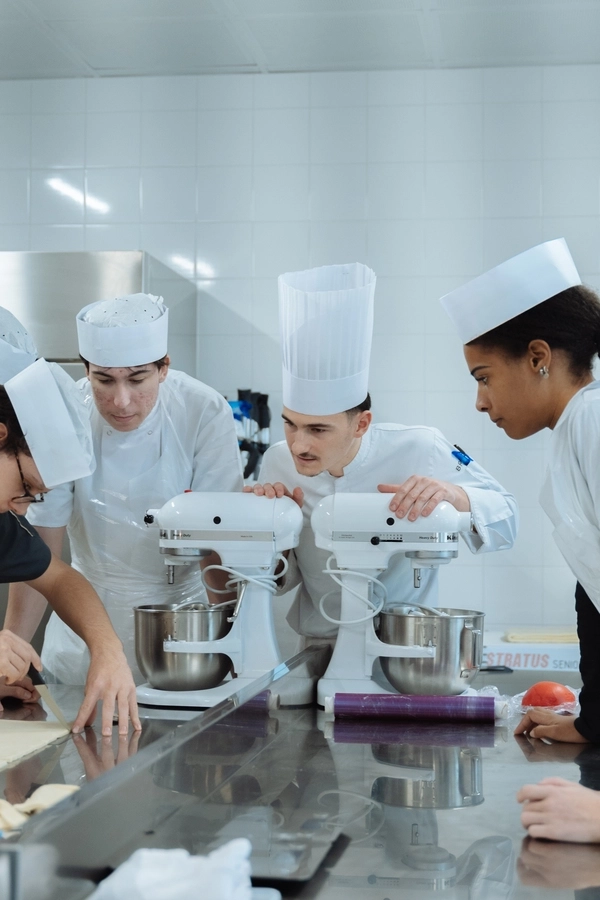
(569,321)
(15,440)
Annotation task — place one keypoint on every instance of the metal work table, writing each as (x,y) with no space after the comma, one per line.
(367,809)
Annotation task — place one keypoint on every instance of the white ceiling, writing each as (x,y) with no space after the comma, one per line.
(70,38)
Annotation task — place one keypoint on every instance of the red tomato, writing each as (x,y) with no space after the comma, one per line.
(548,693)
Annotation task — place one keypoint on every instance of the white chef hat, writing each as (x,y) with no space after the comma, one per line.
(326,327)
(17,349)
(511,288)
(55,422)
(126,331)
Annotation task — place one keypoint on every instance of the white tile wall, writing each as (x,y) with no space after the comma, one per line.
(429,177)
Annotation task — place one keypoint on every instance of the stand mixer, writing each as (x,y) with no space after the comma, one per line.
(362,534)
(249,534)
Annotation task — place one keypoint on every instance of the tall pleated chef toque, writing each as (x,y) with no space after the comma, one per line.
(55,422)
(126,331)
(511,288)
(326,328)
(17,348)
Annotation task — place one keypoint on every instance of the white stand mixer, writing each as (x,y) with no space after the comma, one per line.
(249,534)
(362,534)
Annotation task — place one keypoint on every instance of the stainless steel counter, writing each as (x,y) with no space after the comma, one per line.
(334,810)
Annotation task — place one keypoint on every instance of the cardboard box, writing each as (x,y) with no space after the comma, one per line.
(546,658)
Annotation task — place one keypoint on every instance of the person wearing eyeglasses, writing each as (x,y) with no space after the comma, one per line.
(157,433)
(45,440)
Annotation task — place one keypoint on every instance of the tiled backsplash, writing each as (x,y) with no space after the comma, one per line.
(428,176)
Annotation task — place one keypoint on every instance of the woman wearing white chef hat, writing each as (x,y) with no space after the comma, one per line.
(531,332)
(45,439)
(156,433)
(326,324)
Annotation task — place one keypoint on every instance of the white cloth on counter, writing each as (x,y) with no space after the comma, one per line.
(176,875)
(570,495)
(188,441)
(388,454)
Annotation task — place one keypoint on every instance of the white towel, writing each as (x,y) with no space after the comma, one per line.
(176,875)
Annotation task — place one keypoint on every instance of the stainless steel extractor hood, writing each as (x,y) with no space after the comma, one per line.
(46,290)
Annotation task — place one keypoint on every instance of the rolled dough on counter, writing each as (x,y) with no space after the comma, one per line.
(43,798)
(541,634)
(18,739)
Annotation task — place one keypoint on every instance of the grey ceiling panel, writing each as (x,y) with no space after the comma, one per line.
(328,42)
(520,37)
(154,47)
(26,52)
(66,38)
(51,10)
(320,7)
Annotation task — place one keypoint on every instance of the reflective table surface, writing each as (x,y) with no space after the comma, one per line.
(334,809)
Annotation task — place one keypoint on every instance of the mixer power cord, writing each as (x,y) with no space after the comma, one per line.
(373,608)
(268,582)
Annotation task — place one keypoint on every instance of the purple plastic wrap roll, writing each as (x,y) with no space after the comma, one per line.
(261,701)
(418,734)
(415,706)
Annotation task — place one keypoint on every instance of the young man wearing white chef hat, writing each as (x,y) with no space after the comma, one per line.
(45,439)
(326,324)
(157,433)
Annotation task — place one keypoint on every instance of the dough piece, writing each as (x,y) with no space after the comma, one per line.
(10,817)
(542,634)
(45,796)
(18,739)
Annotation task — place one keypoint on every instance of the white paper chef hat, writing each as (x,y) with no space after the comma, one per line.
(126,331)
(326,327)
(511,288)
(55,422)
(17,349)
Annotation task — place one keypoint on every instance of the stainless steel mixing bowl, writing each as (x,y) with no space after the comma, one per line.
(456,783)
(457,637)
(180,671)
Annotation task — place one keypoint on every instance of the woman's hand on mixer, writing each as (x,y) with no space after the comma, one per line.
(541,723)
(560,810)
(419,496)
(275,490)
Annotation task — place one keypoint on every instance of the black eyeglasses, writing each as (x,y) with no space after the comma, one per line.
(31,498)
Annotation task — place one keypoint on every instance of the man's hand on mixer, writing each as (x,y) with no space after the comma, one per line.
(275,490)
(419,496)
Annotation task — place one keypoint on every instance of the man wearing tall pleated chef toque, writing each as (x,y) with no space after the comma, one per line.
(157,432)
(331,445)
(45,439)
(531,333)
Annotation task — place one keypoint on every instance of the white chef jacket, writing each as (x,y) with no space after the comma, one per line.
(570,494)
(188,441)
(388,454)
